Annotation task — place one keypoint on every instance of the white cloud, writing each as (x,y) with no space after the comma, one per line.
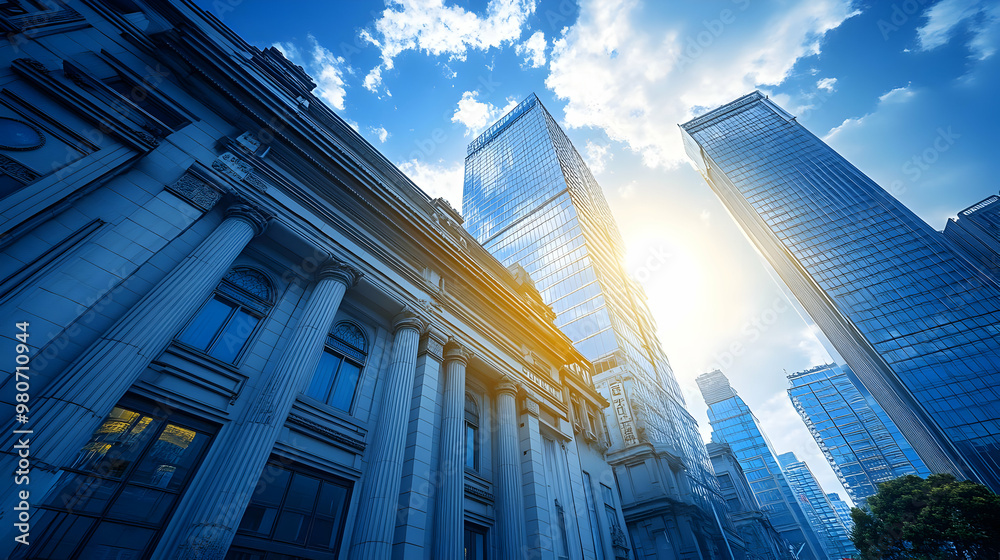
(476,115)
(893,96)
(440,179)
(380,132)
(637,79)
(945,18)
(533,50)
(431,27)
(597,156)
(326,70)
(827,84)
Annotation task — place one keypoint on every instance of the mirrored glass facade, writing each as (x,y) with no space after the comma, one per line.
(976,232)
(735,424)
(530,199)
(861,443)
(917,323)
(819,511)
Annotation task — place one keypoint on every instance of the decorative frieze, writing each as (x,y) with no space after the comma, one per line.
(194,190)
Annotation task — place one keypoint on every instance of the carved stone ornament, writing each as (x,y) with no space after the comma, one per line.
(407,319)
(33,64)
(531,407)
(195,191)
(455,351)
(341,271)
(252,215)
(17,171)
(232,166)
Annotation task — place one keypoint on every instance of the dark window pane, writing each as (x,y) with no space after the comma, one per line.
(332,500)
(302,493)
(258,519)
(9,185)
(271,486)
(319,387)
(292,527)
(471,446)
(121,542)
(344,388)
(116,444)
(137,503)
(82,494)
(204,327)
(168,464)
(234,336)
(62,535)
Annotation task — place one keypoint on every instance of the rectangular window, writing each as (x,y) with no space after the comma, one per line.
(293,511)
(475,542)
(116,497)
(595,525)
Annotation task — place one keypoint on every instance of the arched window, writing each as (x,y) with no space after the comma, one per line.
(336,379)
(225,323)
(471,433)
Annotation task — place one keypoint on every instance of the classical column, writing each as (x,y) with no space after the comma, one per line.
(78,401)
(378,503)
(449,516)
(207,521)
(510,503)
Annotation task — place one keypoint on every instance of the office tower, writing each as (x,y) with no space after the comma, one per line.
(916,322)
(735,424)
(821,514)
(842,509)
(530,199)
(760,540)
(976,233)
(861,443)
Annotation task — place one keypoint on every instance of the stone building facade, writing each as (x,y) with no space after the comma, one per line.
(250,336)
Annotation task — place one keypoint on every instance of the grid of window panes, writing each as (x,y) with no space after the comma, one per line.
(817,507)
(530,199)
(734,423)
(933,317)
(861,443)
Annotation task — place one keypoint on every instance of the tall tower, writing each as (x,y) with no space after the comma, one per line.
(734,423)
(530,199)
(817,506)
(976,231)
(917,323)
(859,441)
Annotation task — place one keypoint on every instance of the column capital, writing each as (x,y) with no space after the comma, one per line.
(339,270)
(407,318)
(453,351)
(250,214)
(507,387)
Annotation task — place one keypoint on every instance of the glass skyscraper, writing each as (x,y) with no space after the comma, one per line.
(861,443)
(817,506)
(530,199)
(976,232)
(842,509)
(734,423)
(916,322)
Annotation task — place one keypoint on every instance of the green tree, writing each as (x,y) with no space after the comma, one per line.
(937,518)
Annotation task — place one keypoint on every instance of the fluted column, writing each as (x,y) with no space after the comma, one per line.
(207,522)
(509,500)
(449,520)
(78,401)
(378,503)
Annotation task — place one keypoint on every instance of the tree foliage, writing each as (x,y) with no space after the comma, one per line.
(937,518)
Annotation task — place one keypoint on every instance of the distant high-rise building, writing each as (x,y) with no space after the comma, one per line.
(760,540)
(861,443)
(530,199)
(821,514)
(842,509)
(977,233)
(735,424)
(917,323)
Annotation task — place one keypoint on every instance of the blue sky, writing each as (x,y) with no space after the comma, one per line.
(902,89)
